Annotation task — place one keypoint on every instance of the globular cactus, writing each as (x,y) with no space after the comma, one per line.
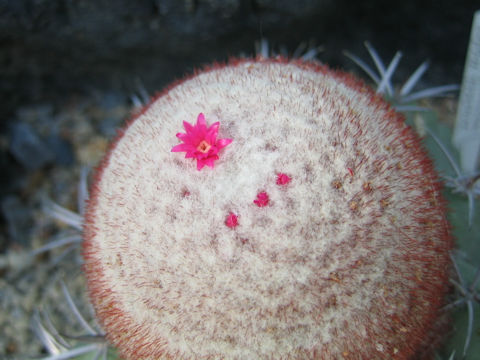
(317,230)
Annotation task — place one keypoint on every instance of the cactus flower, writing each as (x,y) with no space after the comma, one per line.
(200,142)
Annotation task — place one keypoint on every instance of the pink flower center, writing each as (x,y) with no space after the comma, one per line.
(203,147)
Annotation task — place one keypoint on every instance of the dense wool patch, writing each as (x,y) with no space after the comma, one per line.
(346,259)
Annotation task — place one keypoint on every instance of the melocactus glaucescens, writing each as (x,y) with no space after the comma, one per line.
(318,232)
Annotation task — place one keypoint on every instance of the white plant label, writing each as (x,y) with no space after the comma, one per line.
(467,129)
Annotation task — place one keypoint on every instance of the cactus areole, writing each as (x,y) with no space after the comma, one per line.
(316,230)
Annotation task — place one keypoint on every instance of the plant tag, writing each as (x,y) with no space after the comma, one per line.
(466,136)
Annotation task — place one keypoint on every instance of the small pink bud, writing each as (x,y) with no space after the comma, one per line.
(232,220)
(262,199)
(283,179)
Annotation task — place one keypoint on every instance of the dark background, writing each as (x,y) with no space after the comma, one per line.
(53,50)
(50,48)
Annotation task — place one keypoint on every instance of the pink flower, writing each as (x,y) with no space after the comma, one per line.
(283,179)
(232,220)
(200,142)
(262,199)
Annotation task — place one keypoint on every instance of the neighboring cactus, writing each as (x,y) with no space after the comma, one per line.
(319,232)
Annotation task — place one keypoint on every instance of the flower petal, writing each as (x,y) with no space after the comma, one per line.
(188,127)
(182,147)
(221,143)
(183,137)
(212,132)
(201,124)
(210,162)
(200,164)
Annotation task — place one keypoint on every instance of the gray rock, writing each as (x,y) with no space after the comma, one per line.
(18,217)
(109,126)
(62,150)
(28,148)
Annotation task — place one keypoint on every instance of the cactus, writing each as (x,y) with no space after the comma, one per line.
(318,232)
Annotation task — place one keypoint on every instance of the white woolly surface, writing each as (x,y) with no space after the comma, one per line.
(311,272)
